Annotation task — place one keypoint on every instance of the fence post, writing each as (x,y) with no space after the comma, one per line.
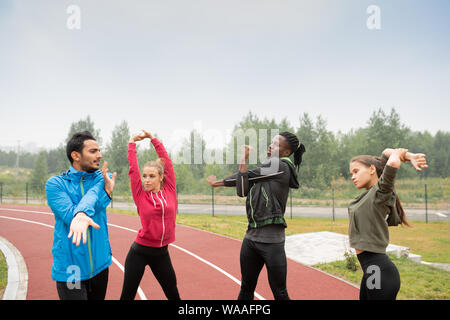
(290,195)
(332,195)
(426,203)
(212,193)
(26,193)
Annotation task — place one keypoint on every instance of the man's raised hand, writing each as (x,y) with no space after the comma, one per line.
(109,182)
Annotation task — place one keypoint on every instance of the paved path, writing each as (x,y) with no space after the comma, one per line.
(321,247)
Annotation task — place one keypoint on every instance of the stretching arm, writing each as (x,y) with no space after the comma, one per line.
(418,160)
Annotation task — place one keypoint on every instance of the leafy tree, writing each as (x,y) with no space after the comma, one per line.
(82,125)
(441,154)
(39,173)
(116,156)
(385,130)
(320,161)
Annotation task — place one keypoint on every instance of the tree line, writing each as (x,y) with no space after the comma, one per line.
(326,158)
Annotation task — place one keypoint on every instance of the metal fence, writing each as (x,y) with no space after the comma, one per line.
(23,193)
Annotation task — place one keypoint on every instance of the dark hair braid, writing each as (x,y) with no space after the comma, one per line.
(295,146)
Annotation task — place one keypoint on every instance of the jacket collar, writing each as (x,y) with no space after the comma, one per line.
(73,173)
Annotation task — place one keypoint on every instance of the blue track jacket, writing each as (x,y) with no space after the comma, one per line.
(68,194)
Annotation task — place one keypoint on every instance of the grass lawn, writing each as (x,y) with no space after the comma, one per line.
(3,274)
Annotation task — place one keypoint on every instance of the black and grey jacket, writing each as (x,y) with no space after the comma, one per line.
(266,189)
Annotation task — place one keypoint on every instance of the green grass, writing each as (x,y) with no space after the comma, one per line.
(3,274)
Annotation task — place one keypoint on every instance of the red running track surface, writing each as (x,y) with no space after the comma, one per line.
(206,264)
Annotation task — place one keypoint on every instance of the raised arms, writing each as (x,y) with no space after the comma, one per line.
(396,156)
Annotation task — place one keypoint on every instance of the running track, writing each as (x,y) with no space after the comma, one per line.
(206,264)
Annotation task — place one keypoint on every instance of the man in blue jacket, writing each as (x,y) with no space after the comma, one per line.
(78,199)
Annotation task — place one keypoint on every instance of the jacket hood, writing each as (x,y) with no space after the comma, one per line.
(73,174)
(293,181)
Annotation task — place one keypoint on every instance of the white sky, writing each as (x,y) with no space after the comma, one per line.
(175,65)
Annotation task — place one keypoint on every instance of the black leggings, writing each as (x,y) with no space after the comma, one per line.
(381,280)
(158,259)
(91,289)
(253,257)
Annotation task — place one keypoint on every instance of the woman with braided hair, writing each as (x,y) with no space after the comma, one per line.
(267,191)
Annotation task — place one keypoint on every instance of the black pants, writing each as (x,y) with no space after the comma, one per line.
(158,259)
(381,280)
(253,257)
(92,289)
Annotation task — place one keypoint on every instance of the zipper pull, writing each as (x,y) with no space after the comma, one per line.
(81,185)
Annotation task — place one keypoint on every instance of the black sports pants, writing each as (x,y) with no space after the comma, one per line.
(253,257)
(92,289)
(159,261)
(381,280)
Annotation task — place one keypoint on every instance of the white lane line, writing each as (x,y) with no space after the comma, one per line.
(175,246)
(198,258)
(21,210)
(140,292)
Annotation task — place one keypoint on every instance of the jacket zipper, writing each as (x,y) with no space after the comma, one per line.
(265,196)
(164,228)
(251,206)
(88,232)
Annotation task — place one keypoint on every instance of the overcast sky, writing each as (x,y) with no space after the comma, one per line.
(176,65)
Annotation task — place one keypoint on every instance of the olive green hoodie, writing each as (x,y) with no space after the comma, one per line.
(372,212)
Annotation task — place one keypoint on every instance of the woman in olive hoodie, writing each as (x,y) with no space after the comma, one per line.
(371,213)
(156,204)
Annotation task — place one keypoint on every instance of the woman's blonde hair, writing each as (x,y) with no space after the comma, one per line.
(159,165)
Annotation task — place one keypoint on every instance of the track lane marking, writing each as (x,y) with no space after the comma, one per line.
(140,292)
(228,275)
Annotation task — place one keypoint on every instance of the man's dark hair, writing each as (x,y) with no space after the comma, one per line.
(76,143)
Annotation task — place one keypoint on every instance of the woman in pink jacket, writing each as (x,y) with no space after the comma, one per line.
(156,204)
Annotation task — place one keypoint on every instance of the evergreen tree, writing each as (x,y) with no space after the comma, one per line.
(39,173)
